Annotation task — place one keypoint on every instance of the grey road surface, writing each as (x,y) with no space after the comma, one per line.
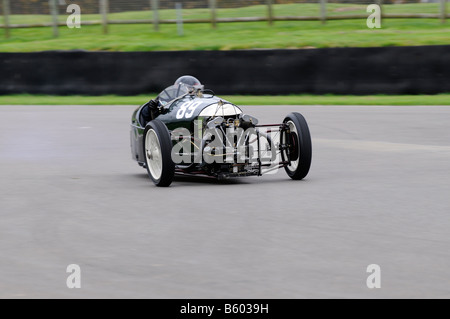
(378,193)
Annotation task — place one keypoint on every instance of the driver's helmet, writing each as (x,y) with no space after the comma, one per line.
(190,81)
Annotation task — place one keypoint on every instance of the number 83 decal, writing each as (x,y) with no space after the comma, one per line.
(187,109)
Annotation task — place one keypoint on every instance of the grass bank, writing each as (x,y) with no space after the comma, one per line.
(304,99)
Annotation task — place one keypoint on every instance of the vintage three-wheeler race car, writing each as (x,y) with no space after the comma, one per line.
(188,130)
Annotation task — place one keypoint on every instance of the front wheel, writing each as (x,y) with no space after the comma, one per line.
(157,151)
(297,149)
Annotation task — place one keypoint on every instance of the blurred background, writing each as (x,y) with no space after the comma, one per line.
(227,26)
(145,16)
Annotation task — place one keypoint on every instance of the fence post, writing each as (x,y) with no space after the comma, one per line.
(6,13)
(179,10)
(380,3)
(104,8)
(54,12)
(155,7)
(213,6)
(323,11)
(270,11)
(443,10)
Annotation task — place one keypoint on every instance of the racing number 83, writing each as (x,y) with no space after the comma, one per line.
(187,109)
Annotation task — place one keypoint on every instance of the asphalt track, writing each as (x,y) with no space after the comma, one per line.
(378,193)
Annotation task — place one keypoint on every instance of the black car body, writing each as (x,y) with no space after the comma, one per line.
(197,133)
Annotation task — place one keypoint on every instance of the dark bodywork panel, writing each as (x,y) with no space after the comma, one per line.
(179,113)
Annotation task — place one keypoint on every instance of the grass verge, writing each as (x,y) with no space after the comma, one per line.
(439,99)
(232,36)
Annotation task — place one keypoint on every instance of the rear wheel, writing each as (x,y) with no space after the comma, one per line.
(298,149)
(157,151)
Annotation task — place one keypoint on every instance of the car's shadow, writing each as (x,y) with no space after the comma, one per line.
(208,180)
(202,180)
(180,180)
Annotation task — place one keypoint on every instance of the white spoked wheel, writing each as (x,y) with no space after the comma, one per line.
(158,153)
(294,147)
(153,153)
(296,140)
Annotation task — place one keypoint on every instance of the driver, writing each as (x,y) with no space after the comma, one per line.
(151,109)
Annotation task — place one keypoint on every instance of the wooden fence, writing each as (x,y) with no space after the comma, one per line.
(213,19)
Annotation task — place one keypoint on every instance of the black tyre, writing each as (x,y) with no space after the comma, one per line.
(157,151)
(299,150)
